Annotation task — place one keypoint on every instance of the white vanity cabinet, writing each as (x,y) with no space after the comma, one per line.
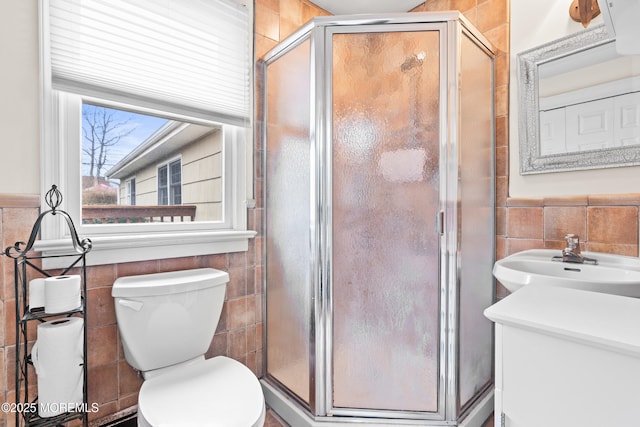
(566,357)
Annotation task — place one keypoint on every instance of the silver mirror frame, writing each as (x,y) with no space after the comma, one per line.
(531,162)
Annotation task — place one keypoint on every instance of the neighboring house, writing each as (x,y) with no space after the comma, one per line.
(91,181)
(180,164)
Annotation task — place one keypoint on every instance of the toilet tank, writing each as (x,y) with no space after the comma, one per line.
(168,318)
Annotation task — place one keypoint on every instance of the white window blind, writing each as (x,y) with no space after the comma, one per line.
(188,57)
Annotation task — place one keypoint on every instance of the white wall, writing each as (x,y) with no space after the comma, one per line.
(534,23)
(19,99)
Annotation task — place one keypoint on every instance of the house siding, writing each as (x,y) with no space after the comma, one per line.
(201,178)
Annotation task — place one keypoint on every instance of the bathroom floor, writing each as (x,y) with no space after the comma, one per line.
(273,420)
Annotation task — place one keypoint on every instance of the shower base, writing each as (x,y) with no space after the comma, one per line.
(289,411)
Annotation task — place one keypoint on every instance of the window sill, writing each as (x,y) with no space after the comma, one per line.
(142,247)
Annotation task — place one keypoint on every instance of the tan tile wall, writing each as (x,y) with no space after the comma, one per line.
(112,383)
(604,223)
(16,215)
(277,19)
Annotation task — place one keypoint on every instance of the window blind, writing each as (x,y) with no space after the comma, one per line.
(188,57)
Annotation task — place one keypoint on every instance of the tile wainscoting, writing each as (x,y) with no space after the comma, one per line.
(112,383)
(604,223)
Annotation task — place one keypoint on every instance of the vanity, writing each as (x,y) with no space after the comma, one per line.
(566,357)
(567,339)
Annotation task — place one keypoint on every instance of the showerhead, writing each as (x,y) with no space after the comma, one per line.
(413,61)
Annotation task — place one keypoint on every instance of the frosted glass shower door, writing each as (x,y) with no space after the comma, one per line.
(385,197)
(476,219)
(288,220)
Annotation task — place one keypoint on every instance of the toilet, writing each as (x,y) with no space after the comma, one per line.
(166,323)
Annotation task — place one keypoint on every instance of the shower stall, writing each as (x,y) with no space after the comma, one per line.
(377,136)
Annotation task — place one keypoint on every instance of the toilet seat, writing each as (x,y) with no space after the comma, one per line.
(218,392)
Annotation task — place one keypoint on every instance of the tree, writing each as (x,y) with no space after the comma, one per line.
(100,130)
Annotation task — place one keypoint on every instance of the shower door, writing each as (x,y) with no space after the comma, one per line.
(378,242)
(385,193)
(288,171)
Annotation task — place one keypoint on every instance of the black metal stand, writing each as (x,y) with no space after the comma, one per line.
(21,252)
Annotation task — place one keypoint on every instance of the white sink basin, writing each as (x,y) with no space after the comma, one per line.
(614,274)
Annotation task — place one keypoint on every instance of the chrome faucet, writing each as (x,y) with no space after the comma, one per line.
(572,252)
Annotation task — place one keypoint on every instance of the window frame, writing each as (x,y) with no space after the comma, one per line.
(167,164)
(160,188)
(172,185)
(114,243)
(131,195)
(61,165)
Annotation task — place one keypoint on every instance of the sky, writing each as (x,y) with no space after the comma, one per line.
(140,126)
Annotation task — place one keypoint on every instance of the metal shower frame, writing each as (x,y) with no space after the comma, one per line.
(452,27)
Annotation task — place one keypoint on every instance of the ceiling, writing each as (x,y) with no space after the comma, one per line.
(346,7)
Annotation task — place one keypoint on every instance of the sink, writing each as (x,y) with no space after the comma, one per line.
(614,274)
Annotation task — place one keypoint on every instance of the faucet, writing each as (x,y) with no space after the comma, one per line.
(572,252)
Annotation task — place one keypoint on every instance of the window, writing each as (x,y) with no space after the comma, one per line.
(148,122)
(175,183)
(170,183)
(163,186)
(131,192)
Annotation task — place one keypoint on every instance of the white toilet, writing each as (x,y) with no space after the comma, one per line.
(166,323)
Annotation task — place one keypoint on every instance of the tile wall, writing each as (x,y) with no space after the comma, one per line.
(605,223)
(277,19)
(17,214)
(112,383)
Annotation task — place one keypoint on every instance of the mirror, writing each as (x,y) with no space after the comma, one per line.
(579,105)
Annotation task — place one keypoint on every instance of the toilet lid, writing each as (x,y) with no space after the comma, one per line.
(215,392)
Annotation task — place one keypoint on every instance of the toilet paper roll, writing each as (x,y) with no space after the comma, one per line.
(61,293)
(57,358)
(36,294)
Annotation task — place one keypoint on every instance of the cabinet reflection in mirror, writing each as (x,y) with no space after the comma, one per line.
(579,105)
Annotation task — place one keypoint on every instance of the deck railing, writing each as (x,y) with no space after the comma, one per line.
(97,214)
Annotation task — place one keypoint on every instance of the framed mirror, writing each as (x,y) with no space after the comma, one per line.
(579,105)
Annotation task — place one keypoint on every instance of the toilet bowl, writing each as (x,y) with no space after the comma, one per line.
(166,323)
(218,392)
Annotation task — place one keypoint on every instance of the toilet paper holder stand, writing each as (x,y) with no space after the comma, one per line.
(26,261)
